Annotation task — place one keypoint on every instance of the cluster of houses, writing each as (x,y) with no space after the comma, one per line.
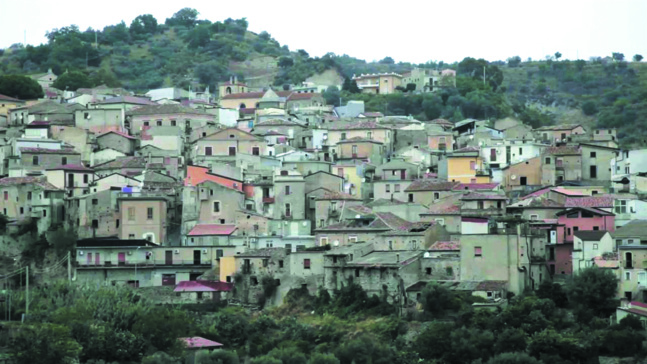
(259,186)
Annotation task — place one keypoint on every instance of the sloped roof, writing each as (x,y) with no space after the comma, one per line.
(445,246)
(47,151)
(71,167)
(430,185)
(118,133)
(335,195)
(212,229)
(278,121)
(589,209)
(7,98)
(563,150)
(590,201)
(358,140)
(632,229)
(558,127)
(270,96)
(127,100)
(482,196)
(125,162)
(155,109)
(449,205)
(29,180)
(592,235)
(358,125)
(203,286)
(246,135)
(254,95)
(475,186)
(303,96)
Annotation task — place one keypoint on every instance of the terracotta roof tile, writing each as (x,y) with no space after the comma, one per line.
(430,185)
(118,133)
(359,125)
(559,127)
(303,96)
(47,151)
(334,195)
(482,196)
(445,246)
(71,167)
(563,150)
(212,229)
(590,201)
(475,186)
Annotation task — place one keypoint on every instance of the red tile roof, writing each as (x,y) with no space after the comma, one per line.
(482,196)
(127,100)
(567,192)
(539,192)
(475,186)
(118,133)
(46,151)
(203,286)
(254,95)
(199,343)
(7,98)
(303,96)
(559,127)
(334,195)
(446,206)
(359,125)
(30,180)
(212,229)
(590,201)
(445,246)
(563,150)
(430,185)
(71,167)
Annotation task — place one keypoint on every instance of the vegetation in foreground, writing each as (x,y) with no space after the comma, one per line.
(116,325)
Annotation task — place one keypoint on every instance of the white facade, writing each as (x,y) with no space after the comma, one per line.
(629,163)
(585,251)
(519,151)
(228,117)
(629,209)
(319,138)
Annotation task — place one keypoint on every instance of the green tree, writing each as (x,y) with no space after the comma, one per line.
(387,60)
(618,56)
(346,85)
(434,341)
(593,290)
(554,292)
(354,89)
(513,358)
(104,77)
(44,343)
(266,359)
(514,61)
(589,108)
(511,340)
(217,357)
(285,62)
(20,87)
(638,57)
(411,87)
(331,95)
(161,358)
(210,73)
(186,17)
(436,299)
(320,358)
(364,349)
(558,55)
(142,26)
(72,81)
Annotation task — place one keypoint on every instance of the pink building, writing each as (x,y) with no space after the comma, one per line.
(570,221)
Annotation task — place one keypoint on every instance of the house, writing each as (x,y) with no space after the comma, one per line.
(167,138)
(587,245)
(441,141)
(523,176)
(203,291)
(596,160)
(329,206)
(558,133)
(289,196)
(143,216)
(378,83)
(428,191)
(393,178)
(628,164)
(7,103)
(507,152)
(32,197)
(446,212)
(232,87)
(45,80)
(229,142)
(357,177)
(561,164)
(297,101)
(465,166)
(362,129)
(75,179)
(359,148)
(632,308)
(429,80)
(442,261)
(252,100)
(210,202)
(210,234)
(100,121)
(140,263)
(500,257)
(178,116)
(94,215)
(129,166)
(118,141)
(122,102)
(279,125)
(105,155)
(37,159)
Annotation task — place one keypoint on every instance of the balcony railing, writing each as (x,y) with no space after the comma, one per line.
(144,263)
(268,200)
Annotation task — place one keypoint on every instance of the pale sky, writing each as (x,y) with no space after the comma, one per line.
(413,31)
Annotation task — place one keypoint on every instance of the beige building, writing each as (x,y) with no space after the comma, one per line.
(143,217)
(428,80)
(378,83)
(229,142)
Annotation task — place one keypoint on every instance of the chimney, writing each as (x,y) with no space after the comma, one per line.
(397,258)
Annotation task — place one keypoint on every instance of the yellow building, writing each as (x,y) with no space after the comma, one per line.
(378,83)
(7,103)
(232,87)
(464,166)
(352,180)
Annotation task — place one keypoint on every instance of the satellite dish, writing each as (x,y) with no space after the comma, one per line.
(335,243)
(358,216)
(513,177)
(426,255)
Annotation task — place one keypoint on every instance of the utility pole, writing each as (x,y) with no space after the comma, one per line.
(69,267)
(27,292)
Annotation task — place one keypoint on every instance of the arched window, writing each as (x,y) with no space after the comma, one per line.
(228,91)
(242,106)
(257,104)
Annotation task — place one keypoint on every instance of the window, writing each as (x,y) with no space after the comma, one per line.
(131,236)
(256,151)
(131,214)
(480,205)
(387,188)
(410,197)
(29,196)
(333,205)
(596,228)
(159,123)
(288,190)
(6,195)
(593,154)
(520,151)
(216,206)
(630,241)
(478,251)
(232,151)
(449,271)
(95,224)
(323,241)
(95,201)
(149,213)
(595,246)
(208,151)
(575,229)
(86,178)
(473,165)
(396,188)
(436,195)
(306,264)
(620,206)
(593,171)
(357,272)
(428,271)
(63,160)
(352,239)
(369,135)
(280,264)
(627,276)
(523,181)
(265,263)
(117,223)
(547,161)
(629,260)
(288,210)
(22,210)
(173,123)
(354,150)
(35,160)
(343,136)
(146,123)
(534,217)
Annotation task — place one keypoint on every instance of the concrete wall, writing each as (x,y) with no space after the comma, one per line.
(117,142)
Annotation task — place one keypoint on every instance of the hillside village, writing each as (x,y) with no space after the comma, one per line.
(251,187)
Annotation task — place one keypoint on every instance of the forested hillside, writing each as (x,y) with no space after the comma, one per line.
(187,52)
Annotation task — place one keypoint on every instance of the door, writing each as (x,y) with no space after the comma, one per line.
(492,155)
(232,151)
(89,258)
(70,180)
(168,279)
(97,259)
(403,174)
(122,258)
(523,181)
(196,257)
(169,257)
(593,171)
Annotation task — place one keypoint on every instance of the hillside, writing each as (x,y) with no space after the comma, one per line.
(186,52)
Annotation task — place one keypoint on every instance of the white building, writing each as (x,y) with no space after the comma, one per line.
(503,153)
(587,245)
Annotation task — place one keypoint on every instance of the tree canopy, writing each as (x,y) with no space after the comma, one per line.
(20,87)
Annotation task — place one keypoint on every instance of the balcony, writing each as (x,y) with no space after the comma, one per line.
(151,263)
(268,200)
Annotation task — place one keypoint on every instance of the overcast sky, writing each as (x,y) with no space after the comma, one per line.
(413,31)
